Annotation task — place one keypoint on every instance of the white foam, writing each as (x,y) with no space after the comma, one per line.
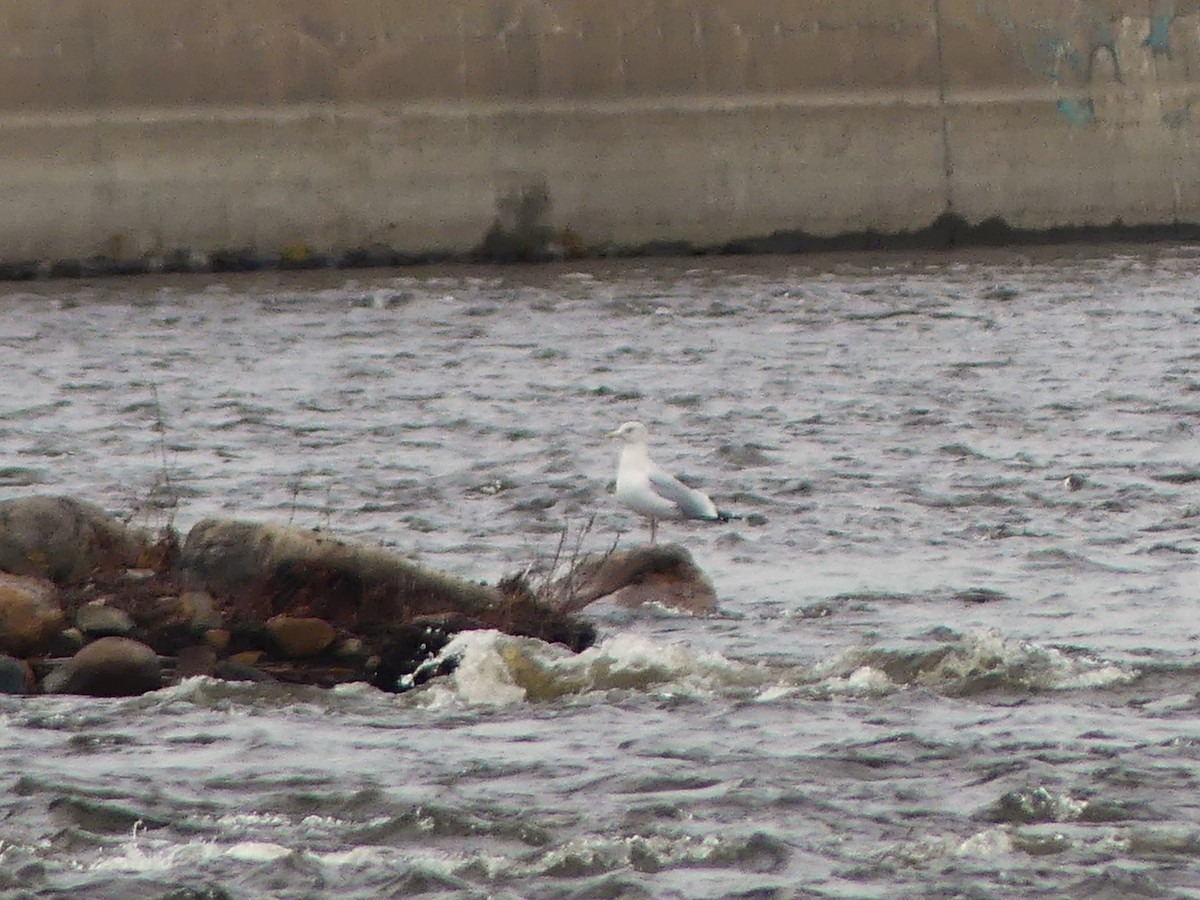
(986,844)
(863,680)
(134,859)
(252,820)
(257,851)
(356,856)
(498,669)
(483,674)
(1030,664)
(979,654)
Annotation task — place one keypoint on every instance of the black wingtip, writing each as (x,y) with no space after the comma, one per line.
(723,516)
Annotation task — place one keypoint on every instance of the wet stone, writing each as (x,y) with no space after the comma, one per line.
(30,615)
(63,539)
(109,667)
(15,676)
(233,670)
(299,638)
(98,619)
(193,661)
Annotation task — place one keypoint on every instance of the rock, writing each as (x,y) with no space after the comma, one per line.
(409,649)
(193,661)
(67,642)
(170,620)
(199,608)
(351,649)
(109,667)
(98,619)
(30,615)
(15,676)
(218,639)
(263,570)
(64,539)
(300,638)
(663,573)
(232,670)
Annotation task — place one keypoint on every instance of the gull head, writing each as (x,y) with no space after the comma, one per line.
(630,433)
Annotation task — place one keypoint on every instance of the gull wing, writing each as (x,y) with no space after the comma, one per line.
(692,504)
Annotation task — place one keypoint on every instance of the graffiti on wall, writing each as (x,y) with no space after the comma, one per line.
(1109,60)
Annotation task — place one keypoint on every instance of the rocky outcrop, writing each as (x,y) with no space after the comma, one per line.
(266,569)
(238,600)
(64,539)
(97,608)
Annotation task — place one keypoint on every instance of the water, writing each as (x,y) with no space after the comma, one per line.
(938,670)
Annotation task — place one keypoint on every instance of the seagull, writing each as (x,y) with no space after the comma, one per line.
(649,491)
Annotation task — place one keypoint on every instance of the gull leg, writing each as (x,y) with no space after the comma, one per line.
(653,527)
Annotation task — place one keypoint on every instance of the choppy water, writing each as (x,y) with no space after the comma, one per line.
(939,671)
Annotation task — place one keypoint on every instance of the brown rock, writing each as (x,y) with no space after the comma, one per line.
(232,670)
(98,619)
(350,648)
(109,667)
(262,570)
(300,638)
(192,661)
(30,615)
(199,608)
(218,639)
(663,573)
(64,539)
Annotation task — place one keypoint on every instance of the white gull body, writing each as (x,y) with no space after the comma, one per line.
(649,491)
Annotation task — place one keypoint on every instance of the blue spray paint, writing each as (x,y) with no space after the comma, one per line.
(1159,38)
(1077,112)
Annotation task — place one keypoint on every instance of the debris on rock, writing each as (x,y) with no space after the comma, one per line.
(664,574)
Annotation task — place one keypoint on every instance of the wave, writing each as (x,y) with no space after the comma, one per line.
(493,668)
(263,863)
(979,662)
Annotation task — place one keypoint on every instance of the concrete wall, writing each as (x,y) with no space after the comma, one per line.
(133,127)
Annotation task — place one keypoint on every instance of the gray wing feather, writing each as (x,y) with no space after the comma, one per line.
(692,504)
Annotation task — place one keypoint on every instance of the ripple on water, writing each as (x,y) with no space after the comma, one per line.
(942,667)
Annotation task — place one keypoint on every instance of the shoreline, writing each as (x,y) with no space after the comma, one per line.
(948,233)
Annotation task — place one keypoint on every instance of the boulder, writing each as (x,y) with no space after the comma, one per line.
(64,539)
(109,667)
(232,670)
(30,615)
(98,619)
(193,661)
(665,574)
(15,676)
(262,570)
(300,638)
(67,642)
(218,639)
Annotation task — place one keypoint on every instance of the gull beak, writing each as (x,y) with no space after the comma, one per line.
(612,435)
